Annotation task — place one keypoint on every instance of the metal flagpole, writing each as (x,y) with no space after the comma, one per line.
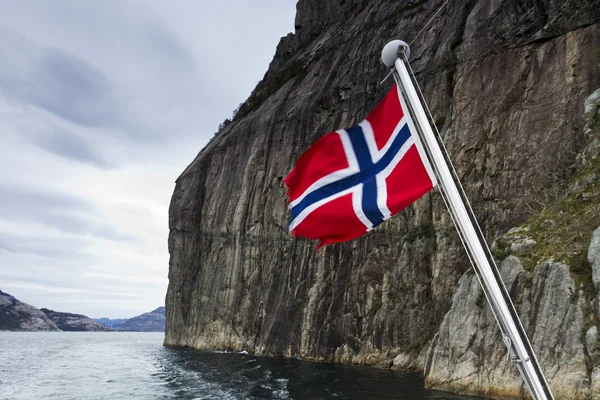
(395,54)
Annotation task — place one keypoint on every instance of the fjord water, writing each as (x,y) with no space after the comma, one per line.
(107,365)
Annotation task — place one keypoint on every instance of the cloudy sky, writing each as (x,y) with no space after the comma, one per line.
(102,105)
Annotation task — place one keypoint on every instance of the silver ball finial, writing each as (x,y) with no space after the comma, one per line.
(389,54)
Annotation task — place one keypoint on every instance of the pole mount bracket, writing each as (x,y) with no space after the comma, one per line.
(393,50)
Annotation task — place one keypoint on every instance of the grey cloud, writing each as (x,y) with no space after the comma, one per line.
(41,246)
(72,224)
(18,199)
(73,277)
(51,277)
(130,30)
(69,145)
(171,54)
(74,90)
(67,213)
(77,92)
(140,80)
(94,291)
(56,81)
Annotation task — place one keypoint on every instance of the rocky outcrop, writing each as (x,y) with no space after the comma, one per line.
(153,321)
(74,322)
(18,316)
(552,298)
(594,260)
(505,80)
(469,356)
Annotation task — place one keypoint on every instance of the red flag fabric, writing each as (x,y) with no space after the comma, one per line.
(352,180)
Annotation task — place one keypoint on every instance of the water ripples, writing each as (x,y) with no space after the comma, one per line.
(107,365)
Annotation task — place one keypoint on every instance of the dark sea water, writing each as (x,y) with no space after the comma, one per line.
(104,365)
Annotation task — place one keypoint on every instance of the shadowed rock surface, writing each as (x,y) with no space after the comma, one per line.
(506,81)
(18,316)
(74,322)
(153,321)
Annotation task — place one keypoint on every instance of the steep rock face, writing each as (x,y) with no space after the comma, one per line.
(153,321)
(555,301)
(74,322)
(505,81)
(469,356)
(18,316)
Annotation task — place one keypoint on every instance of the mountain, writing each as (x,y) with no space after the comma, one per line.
(509,83)
(111,323)
(153,321)
(18,316)
(74,322)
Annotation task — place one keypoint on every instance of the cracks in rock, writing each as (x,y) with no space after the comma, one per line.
(430,353)
(543,276)
(271,134)
(452,61)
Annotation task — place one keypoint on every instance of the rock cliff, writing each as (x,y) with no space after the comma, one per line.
(18,316)
(506,81)
(74,322)
(550,267)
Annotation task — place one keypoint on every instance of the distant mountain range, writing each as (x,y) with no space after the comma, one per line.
(18,316)
(153,321)
(110,322)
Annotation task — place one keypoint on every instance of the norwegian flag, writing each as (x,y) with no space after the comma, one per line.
(352,180)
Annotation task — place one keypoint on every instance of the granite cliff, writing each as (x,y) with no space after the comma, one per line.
(506,81)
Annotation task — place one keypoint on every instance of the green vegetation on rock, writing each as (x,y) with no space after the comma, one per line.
(563,231)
